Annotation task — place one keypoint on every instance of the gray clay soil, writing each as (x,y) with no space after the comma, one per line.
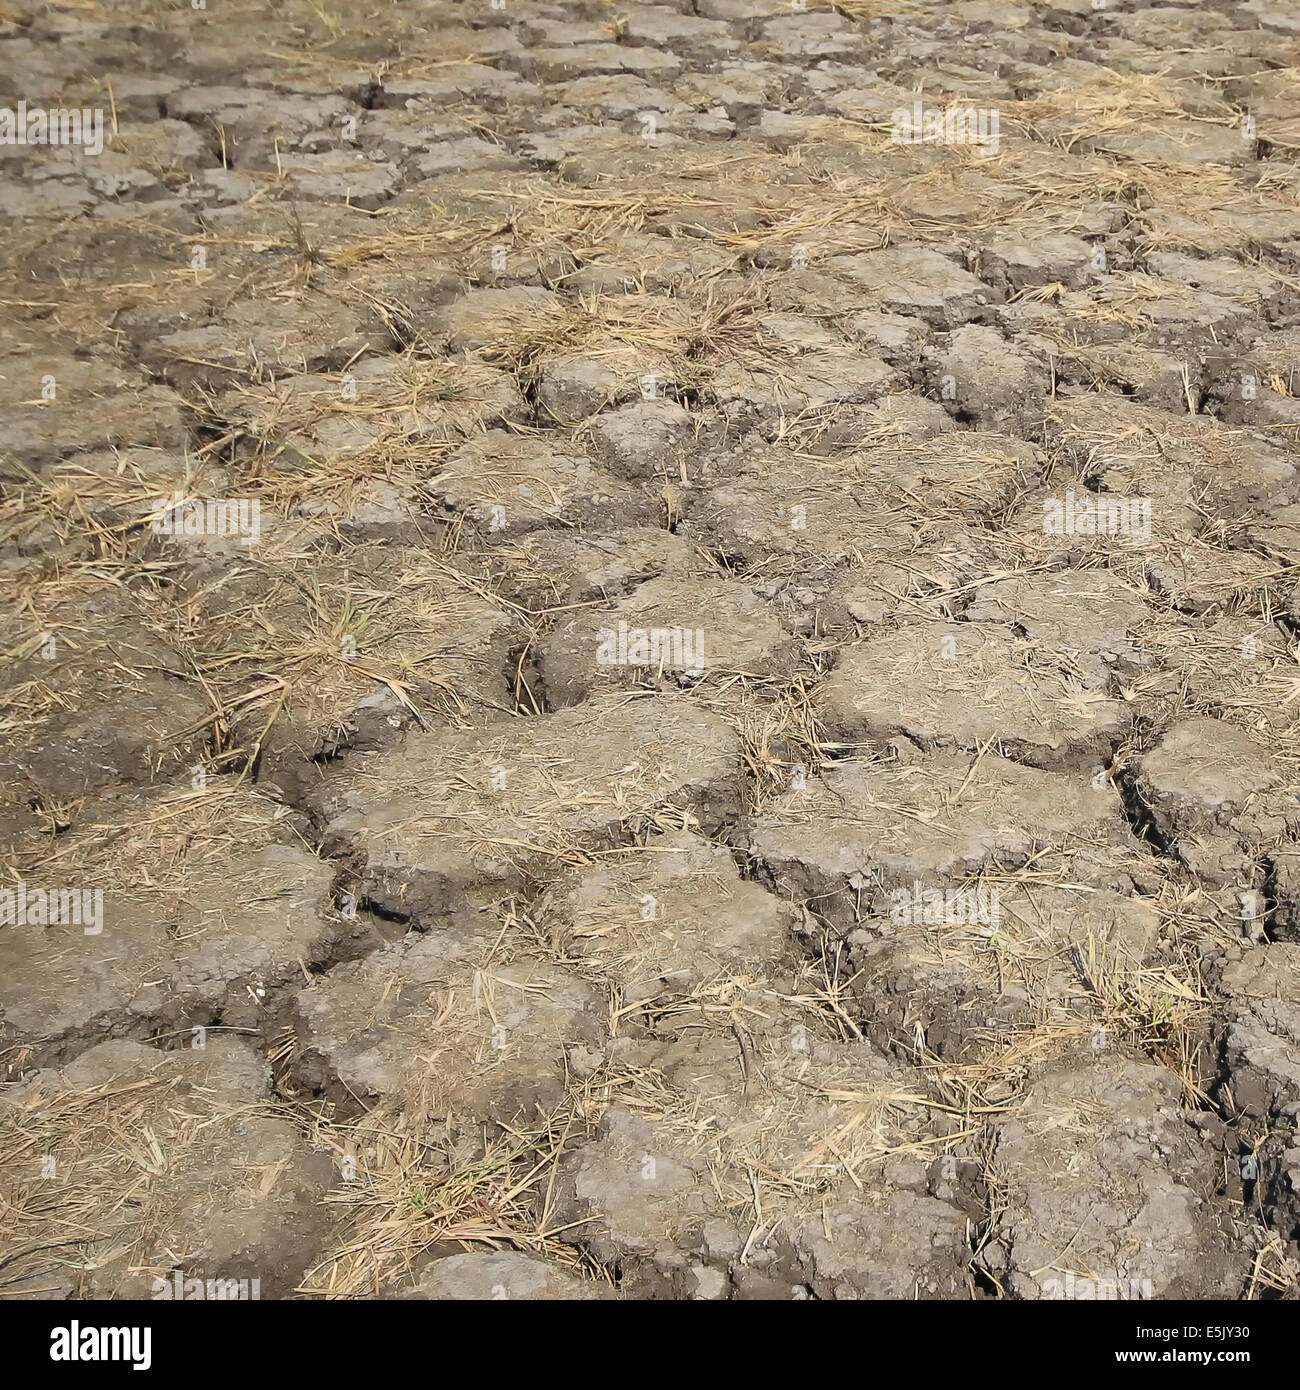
(618,683)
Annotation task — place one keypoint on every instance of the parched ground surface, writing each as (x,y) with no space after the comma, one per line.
(668,800)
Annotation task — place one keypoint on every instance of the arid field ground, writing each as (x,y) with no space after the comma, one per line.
(650,650)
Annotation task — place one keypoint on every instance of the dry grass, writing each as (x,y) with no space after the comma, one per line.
(1105,102)
(519,795)
(108,1199)
(409,1199)
(153,842)
(793,1132)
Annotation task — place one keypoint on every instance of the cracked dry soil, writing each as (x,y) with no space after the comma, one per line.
(619,683)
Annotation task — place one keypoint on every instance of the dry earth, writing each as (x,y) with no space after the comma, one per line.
(720,720)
